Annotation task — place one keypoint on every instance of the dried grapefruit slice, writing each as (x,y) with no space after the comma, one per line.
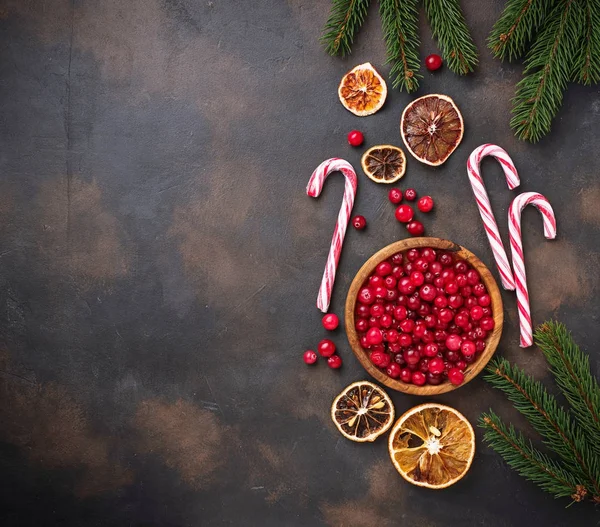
(431,128)
(384,163)
(362,90)
(362,412)
(432,445)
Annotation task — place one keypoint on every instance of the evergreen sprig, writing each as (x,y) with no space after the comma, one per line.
(448,26)
(400,19)
(571,435)
(587,65)
(345,19)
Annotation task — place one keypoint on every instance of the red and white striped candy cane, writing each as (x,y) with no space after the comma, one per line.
(485,208)
(514,229)
(315,185)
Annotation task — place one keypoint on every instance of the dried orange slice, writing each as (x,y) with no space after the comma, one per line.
(362,412)
(384,163)
(431,128)
(432,445)
(362,90)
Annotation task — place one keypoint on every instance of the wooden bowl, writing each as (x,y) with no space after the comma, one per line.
(402,246)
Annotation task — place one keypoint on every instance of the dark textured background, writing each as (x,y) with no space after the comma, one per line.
(159,264)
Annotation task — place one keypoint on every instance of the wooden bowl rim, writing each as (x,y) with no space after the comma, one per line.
(402,246)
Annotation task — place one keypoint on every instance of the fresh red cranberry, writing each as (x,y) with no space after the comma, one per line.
(438,282)
(445,259)
(392,336)
(361,325)
(374,336)
(364,342)
(362,310)
(400,313)
(405,286)
(397,272)
(487,323)
(412,254)
(377,310)
(409,267)
(428,292)
(440,336)
(480,333)
(386,321)
(417,278)
(436,366)
(330,321)
(326,348)
(384,268)
(355,138)
(436,268)
(425,204)
(310,357)
(433,62)
(419,330)
(434,380)
(397,259)
(466,291)
(374,322)
(413,302)
(405,340)
(431,350)
(473,277)
(394,347)
(405,375)
(469,359)
(359,222)
(461,280)
(366,295)
(430,321)
(479,289)
(391,294)
(415,228)
(453,329)
(411,356)
(380,291)
(448,275)
(376,281)
(471,301)
(410,194)
(476,312)
(468,348)
(455,376)
(429,254)
(380,359)
(404,213)
(451,355)
(393,370)
(484,300)
(461,365)
(451,288)
(461,267)
(453,342)
(390,281)
(461,320)
(334,362)
(440,301)
(428,276)
(418,378)
(395,195)
(424,365)
(421,265)
(480,345)
(446,315)
(487,312)
(455,301)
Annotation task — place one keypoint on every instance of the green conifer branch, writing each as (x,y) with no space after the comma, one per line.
(345,19)
(399,19)
(449,28)
(529,462)
(587,66)
(515,28)
(548,68)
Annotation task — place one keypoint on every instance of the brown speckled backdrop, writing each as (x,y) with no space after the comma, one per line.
(159,263)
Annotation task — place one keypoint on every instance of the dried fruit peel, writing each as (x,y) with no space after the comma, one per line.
(362,90)
(384,163)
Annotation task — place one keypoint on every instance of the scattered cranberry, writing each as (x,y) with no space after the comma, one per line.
(425,204)
(410,194)
(326,348)
(455,376)
(355,138)
(310,357)
(330,321)
(404,213)
(334,362)
(395,195)
(433,62)
(359,222)
(415,228)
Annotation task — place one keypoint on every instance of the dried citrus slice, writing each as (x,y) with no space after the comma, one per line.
(384,163)
(362,412)
(432,445)
(362,90)
(431,128)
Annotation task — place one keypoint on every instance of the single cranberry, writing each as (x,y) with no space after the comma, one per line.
(405,340)
(438,282)
(419,330)
(487,312)
(380,291)
(405,286)
(471,301)
(448,275)
(468,348)
(376,281)
(386,321)
(430,321)
(394,347)
(330,321)
(453,342)
(455,301)
(440,336)
(396,259)
(392,335)
(479,289)
(377,310)
(363,310)
(397,271)
(484,300)
(429,254)
(469,359)
(417,278)
(412,254)
(326,348)
(407,325)
(480,333)
(424,365)
(334,362)
(440,301)
(461,320)
(409,267)
(461,280)
(380,359)
(366,295)
(473,277)
(446,315)
(415,228)
(404,213)
(398,358)
(374,322)
(428,293)
(445,259)
(405,375)
(374,336)
(355,138)
(425,204)
(401,300)
(487,323)
(310,357)
(476,312)
(390,281)
(361,325)
(391,295)
(436,268)
(410,194)
(359,222)
(413,302)
(455,376)
(436,366)
(433,62)
(454,329)
(451,355)
(451,288)
(466,291)
(461,267)
(421,265)
(393,370)
(428,337)
(433,379)
(461,365)
(428,276)
(384,268)
(480,345)
(431,350)
(364,342)
(418,378)
(411,356)
(400,313)
(395,195)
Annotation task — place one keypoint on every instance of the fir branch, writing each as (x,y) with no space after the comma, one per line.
(548,68)
(550,420)
(399,19)
(345,19)
(571,369)
(516,27)
(528,461)
(587,66)
(448,26)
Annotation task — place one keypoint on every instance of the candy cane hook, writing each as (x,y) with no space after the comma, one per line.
(485,207)
(516,243)
(315,185)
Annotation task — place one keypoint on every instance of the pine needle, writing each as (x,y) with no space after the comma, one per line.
(587,66)
(399,19)
(345,19)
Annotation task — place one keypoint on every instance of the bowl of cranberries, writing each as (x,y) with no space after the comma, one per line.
(424,316)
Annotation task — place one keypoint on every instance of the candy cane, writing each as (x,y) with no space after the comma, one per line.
(514,229)
(485,208)
(315,185)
